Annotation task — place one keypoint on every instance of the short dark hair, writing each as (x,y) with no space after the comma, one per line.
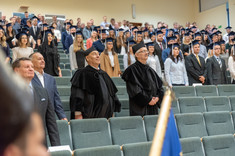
(16,63)
(26,12)
(31,55)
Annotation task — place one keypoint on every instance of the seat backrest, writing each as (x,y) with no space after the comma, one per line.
(191,125)
(175,107)
(137,149)
(217,103)
(122,92)
(127,130)
(113,150)
(64,90)
(150,122)
(226,90)
(118,81)
(64,132)
(232,102)
(191,104)
(64,81)
(66,72)
(192,146)
(219,145)
(61,153)
(123,112)
(209,90)
(184,91)
(218,123)
(233,117)
(90,133)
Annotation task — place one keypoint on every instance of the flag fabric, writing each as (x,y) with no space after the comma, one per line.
(171,145)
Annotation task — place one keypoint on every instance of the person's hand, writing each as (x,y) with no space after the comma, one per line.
(153,101)
(202,79)
(65,119)
(79,116)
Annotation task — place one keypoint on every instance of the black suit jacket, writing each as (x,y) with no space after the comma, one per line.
(215,74)
(158,52)
(43,104)
(194,69)
(31,32)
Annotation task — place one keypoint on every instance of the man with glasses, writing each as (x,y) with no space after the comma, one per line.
(144,87)
(216,68)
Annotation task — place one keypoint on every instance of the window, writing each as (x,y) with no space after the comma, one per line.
(60,18)
(209,4)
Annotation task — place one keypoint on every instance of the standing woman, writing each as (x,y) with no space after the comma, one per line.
(127,35)
(205,39)
(109,60)
(50,54)
(119,44)
(175,71)
(10,35)
(129,57)
(3,45)
(231,66)
(23,49)
(112,33)
(153,60)
(76,52)
(93,38)
(139,37)
(146,36)
(185,46)
(230,43)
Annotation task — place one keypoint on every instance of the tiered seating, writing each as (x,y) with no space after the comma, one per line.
(61,153)
(192,146)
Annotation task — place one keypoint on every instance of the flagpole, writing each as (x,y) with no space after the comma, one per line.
(159,135)
(227,9)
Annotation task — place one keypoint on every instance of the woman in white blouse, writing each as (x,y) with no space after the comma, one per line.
(231,65)
(23,49)
(153,60)
(175,72)
(129,57)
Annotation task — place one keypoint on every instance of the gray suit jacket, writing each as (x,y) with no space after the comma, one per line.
(215,74)
(45,108)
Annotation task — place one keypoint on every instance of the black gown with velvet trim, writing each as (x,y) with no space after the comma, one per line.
(142,84)
(93,93)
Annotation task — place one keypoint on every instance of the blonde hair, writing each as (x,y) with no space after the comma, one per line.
(76,47)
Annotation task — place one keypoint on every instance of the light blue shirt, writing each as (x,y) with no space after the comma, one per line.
(203,51)
(175,73)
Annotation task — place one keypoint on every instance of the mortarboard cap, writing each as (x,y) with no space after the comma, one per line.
(138,46)
(218,32)
(149,44)
(175,45)
(88,51)
(126,31)
(135,28)
(171,30)
(212,35)
(8,24)
(120,29)
(103,31)
(49,31)
(139,32)
(187,34)
(222,42)
(21,33)
(111,29)
(73,26)
(228,27)
(231,33)
(203,31)
(214,29)
(159,32)
(216,43)
(152,34)
(210,47)
(197,34)
(176,33)
(34,17)
(109,39)
(195,42)
(163,27)
(182,29)
(193,27)
(51,27)
(131,42)
(45,25)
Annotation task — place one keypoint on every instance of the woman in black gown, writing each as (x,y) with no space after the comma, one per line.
(50,54)
(76,52)
(10,35)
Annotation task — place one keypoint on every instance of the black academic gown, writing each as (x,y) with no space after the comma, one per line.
(80,59)
(93,93)
(142,84)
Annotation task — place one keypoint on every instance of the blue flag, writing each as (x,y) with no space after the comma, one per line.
(171,145)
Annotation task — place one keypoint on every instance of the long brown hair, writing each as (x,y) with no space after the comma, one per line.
(106,51)
(77,47)
(3,40)
(120,41)
(19,42)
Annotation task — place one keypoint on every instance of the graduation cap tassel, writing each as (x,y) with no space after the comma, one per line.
(172,50)
(192,48)
(101,32)
(213,49)
(43,36)
(233,50)
(128,48)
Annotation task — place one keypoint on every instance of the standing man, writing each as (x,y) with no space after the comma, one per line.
(34,30)
(225,37)
(48,82)
(24,20)
(24,68)
(93,93)
(87,31)
(216,68)
(105,24)
(144,86)
(65,34)
(195,65)
(159,46)
(203,50)
(69,38)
